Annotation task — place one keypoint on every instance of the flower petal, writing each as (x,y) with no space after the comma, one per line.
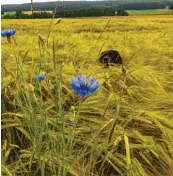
(8,32)
(80,86)
(40,77)
(93,85)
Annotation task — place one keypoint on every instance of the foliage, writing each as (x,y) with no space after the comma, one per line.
(18,14)
(86,12)
(125,128)
(68,13)
(171,7)
(71,5)
(121,12)
(150,12)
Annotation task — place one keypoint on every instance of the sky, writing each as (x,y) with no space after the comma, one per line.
(22,1)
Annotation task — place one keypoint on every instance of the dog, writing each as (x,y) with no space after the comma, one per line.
(109,57)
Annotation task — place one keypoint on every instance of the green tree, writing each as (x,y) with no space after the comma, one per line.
(18,14)
(171,7)
(121,12)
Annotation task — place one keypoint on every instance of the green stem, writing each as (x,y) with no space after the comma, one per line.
(78,110)
(117,109)
(113,128)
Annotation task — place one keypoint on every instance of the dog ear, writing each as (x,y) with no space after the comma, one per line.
(100,58)
(103,53)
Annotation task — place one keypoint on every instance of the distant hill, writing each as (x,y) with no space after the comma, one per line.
(65,5)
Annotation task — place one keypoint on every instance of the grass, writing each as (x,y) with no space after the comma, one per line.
(125,128)
(25,12)
(151,12)
(10,13)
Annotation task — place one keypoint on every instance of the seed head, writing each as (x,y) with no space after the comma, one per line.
(124,70)
(30,87)
(41,38)
(58,21)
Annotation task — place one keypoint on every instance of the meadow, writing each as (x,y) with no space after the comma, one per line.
(165,11)
(124,129)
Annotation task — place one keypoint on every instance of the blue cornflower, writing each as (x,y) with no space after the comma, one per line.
(8,32)
(40,77)
(81,87)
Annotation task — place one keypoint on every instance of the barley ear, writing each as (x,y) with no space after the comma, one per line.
(41,38)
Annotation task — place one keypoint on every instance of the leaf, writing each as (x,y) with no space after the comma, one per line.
(14,146)
(7,153)
(117,108)
(12,114)
(24,132)
(128,160)
(10,125)
(6,171)
(4,145)
(25,56)
(25,156)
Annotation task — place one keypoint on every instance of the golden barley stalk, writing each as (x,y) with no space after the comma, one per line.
(14,40)
(41,38)
(58,21)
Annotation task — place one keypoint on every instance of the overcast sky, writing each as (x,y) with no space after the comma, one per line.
(23,1)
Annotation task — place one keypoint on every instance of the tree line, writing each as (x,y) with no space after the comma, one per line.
(91,12)
(69,5)
(68,13)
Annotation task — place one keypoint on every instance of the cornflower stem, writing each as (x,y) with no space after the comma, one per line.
(76,115)
(9,40)
(78,109)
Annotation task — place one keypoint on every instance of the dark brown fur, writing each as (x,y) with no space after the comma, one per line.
(110,57)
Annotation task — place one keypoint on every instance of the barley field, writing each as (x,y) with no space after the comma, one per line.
(125,128)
